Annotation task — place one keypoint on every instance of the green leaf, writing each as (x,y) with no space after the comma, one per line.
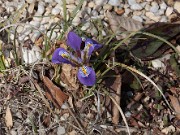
(146,47)
(174,64)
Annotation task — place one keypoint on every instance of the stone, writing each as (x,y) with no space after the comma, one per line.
(160,12)
(152,16)
(85,26)
(100,2)
(35,24)
(31,56)
(55,11)
(35,35)
(137,18)
(76,21)
(154,8)
(164,19)
(49,1)
(59,2)
(20,29)
(136,7)
(61,130)
(45,20)
(177,6)
(30,1)
(127,11)
(107,7)
(70,7)
(132,2)
(53,36)
(169,11)
(41,8)
(144,4)
(2,9)
(104,33)
(70,1)
(91,4)
(157,64)
(114,2)
(147,7)
(163,5)
(31,8)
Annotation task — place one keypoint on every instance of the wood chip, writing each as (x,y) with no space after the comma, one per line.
(8,118)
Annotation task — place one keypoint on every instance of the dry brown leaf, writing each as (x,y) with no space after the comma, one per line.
(176,105)
(39,41)
(8,118)
(55,94)
(46,120)
(117,87)
(68,77)
(114,83)
(118,23)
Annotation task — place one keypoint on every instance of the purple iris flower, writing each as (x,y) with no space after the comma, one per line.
(86,74)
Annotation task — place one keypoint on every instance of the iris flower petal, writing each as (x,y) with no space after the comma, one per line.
(74,41)
(86,76)
(90,46)
(60,55)
(93,42)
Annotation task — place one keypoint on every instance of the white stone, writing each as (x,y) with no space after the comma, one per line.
(72,7)
(55,11)
(100,2)
(160,12)
(21,37)
(31,8)
(177,6)
(132,2)
(94,31)
(91,4)
(61,130)
(41,8)
(53,36)
(107,7)
(163,5)
(137,13)
(70,1)
(147,7)
(27,31)
(137,18)
(42,28)
(20,29)
(136,7)
(86,26)
(94,13)
(127,11)
(126,6)
(157,64)
(154,8)
(35,24)
(35,35)
(76,21)
(164,19)
(30,1)
(59,2)
(152,16)
(31,56)
(45,20)
(143,4)
(104,33)
(169,11)
(49,1)
(114,2)
(37,17)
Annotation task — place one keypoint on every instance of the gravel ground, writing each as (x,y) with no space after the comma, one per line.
(34,17)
